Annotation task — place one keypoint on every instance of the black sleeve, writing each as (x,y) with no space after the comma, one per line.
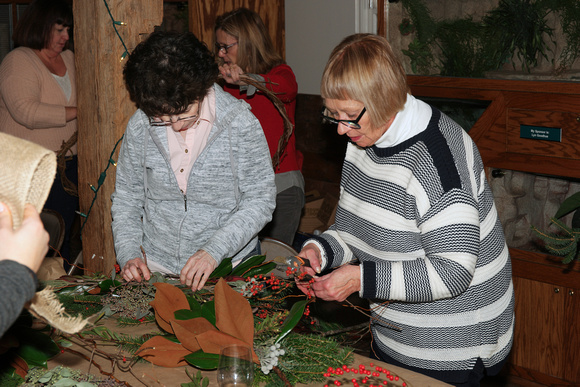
(17,286)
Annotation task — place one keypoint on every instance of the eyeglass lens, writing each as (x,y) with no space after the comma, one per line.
(353,124)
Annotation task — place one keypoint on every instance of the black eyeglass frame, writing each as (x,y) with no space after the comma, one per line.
(353,124)
(194,120)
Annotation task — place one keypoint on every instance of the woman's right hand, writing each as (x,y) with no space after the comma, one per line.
(231,73)
(311,253)
(29,243)
(135,270)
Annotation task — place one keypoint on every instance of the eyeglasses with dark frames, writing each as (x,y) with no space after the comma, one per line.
(353,124)
(188,122)
(223,47)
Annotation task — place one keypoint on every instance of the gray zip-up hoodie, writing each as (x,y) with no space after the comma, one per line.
(230,191)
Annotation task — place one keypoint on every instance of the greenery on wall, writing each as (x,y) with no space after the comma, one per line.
(514,31)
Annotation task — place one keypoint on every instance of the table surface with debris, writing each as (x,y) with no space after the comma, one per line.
(142,373)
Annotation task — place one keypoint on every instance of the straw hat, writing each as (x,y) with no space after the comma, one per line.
(27,172)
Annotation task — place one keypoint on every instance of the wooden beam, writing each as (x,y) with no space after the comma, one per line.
(104,108)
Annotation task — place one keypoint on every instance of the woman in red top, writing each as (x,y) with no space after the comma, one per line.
(244,47)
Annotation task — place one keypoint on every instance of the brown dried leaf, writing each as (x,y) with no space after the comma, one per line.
(20,366)
(233,313)
(162,352)
(168,300)
(187,330)
(214,341)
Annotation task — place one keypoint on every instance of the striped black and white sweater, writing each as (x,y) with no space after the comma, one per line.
(416,211)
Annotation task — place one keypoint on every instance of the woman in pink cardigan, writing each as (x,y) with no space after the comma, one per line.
(37,86)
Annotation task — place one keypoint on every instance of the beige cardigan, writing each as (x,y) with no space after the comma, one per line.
(32,106)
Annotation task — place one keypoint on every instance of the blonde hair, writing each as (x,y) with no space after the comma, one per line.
(256,53)
(364,68)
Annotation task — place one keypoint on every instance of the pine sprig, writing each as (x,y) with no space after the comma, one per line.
(563,244)
(125,342)
(84,304)
(306,359)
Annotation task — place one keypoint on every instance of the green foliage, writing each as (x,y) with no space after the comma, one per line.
(292,319)
(61,376)
(197,380)
(306,359)
(565,242)
(223,269)
(518,27)
(421,56)
(420,49)
(34,346)
(571,203)
(514,29)
(83,304)
(124,342)
(570,21)
(463,48)
(202,360)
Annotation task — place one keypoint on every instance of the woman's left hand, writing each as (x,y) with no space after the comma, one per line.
(337,285)
(197,270)
(231,73)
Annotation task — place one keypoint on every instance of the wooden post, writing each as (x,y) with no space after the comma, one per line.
(104,108)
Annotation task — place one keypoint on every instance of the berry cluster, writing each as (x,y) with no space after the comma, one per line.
(271,359)
(374,377)
(258,284)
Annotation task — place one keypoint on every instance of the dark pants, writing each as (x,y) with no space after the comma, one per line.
(67,205)
(286,216)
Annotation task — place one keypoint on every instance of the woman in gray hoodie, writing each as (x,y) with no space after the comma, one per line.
(194,177)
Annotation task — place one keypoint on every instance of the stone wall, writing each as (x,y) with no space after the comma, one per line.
(524,200)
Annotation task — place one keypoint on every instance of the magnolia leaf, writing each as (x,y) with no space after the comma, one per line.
(194,305)
(186,314)
(163,352)
(168,299)
(187,331)
(202,360)
(208,311)
(223,269)
(570,204)
(233,313)
(36,347)
(262,269)
(292,319)
(107,284)
(247,265)
(20,368)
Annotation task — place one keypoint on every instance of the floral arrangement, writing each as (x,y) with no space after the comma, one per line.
(244,304)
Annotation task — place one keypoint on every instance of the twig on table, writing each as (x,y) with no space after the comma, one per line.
(345,329)
(282,376)
(91,361)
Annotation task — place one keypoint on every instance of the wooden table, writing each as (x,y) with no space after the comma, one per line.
(145,373)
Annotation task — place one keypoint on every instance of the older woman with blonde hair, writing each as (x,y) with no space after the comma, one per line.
(416,230)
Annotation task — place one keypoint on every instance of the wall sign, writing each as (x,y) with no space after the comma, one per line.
(541,133)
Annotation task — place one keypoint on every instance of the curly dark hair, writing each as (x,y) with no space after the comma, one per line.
(34,28)
(168,72)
